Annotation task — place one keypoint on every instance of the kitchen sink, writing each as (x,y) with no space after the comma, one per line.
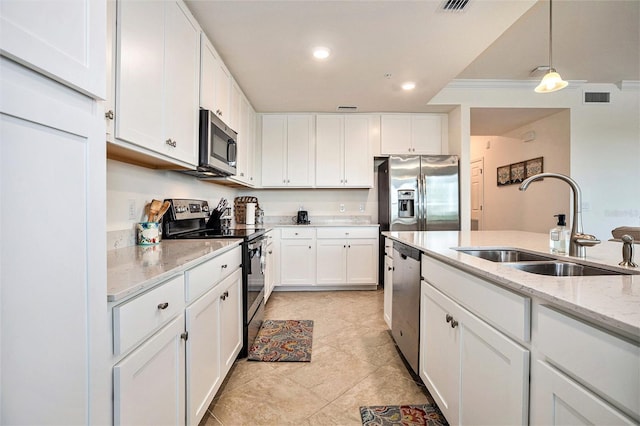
(563,269)
(505,255)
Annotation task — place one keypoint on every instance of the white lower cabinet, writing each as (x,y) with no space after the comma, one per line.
(149,384)
(584,374)
(270,265)
(476,374)
(347,255)
(388,288)
(559,400)
(298,256)
(170,358)
(230,320)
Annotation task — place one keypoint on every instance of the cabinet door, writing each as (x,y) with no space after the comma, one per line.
(140,73)
(388,288)
(203,354)
(298,261)
(362,261)
(274,150)
(440,352)
(251,144)
(243,149)
(426,134)
(489,358)
(395,134)
(269,271)
(223,91)
(181,84)
(358,161)
(63,39)
(558,400)
(54,343)
(331,261)
(330,150)
(300,163)
(149,384)
(208,68)
(230,296)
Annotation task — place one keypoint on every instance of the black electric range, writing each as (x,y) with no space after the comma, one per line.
(189,219)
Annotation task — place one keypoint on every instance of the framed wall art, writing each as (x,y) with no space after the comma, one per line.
(504,175)
(517,172)
(533,167)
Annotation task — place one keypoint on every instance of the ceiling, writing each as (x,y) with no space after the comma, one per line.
(267,47)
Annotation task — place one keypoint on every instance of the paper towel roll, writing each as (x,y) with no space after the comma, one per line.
(250,214)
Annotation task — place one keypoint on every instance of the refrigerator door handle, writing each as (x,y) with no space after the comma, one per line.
(421,211)
(423,202)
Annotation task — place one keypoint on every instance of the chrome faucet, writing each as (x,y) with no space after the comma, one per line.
(578,241)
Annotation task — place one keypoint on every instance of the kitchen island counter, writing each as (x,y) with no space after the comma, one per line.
(131,270)
(611,301)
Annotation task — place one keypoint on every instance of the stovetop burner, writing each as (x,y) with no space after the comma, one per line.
(221,233)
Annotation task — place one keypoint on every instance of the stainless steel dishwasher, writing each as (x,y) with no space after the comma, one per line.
(405,304)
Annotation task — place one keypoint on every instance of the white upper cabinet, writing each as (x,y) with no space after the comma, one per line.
(414,134)
(287,150)
(343,157)
(246,141)
(61,39)
(215,82)
(157,75)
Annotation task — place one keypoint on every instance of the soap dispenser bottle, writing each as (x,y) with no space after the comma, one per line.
(559,236)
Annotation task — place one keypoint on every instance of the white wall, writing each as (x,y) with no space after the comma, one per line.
(126,182)
(605,143)
(505,207)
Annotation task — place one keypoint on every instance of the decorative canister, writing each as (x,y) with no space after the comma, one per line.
(147,233)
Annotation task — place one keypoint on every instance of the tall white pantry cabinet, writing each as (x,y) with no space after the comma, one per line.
(53,322)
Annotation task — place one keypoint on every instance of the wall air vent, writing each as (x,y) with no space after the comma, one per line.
(597,97)
(454,5)
(346,108)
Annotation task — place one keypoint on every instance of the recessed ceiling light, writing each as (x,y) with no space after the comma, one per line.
(409,85)
(321,52)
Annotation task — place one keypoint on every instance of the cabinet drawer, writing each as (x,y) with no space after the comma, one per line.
(204,276)
(603,361)
(505,310)
(297,233)
(136,319)
(351,232)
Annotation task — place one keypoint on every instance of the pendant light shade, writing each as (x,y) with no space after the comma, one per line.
(551,80)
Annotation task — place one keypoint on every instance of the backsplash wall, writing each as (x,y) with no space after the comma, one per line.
(128,184)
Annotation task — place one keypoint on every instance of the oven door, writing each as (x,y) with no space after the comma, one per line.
(255,275)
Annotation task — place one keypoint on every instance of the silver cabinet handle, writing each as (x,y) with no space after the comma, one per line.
(309,247)
(224,295)
(171,142)
(241,173)
(109,114)
(449,318)
(224,266)
(388,268)
(185,336)
(270,251)
(164,305)
(454,323)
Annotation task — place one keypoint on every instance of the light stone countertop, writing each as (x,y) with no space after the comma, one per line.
(609,300)
(131,270)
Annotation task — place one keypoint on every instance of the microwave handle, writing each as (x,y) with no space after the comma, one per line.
(231,152)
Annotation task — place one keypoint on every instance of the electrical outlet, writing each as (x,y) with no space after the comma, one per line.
(342,209)
(361,207)
(132,209)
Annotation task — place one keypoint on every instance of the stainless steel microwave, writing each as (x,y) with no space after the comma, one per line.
(217,153)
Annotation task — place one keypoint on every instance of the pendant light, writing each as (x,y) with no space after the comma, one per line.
(551,80)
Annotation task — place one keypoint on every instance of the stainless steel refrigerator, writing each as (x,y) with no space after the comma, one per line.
(419,193)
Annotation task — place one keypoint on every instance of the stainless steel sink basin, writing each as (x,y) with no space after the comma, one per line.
(505,255)
(563,269)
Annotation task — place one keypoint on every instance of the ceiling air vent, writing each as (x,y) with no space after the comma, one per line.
(597,97)
(454,5)
(346,108)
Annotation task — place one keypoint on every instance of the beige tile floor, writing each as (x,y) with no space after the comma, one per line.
(354,363)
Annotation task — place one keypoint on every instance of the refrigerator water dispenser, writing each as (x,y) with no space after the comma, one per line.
(406,203)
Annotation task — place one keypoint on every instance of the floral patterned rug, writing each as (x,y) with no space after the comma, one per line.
(283,340)
(402,415)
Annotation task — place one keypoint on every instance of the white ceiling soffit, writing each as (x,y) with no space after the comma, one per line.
(267,47)
(499,121)
(597,41)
